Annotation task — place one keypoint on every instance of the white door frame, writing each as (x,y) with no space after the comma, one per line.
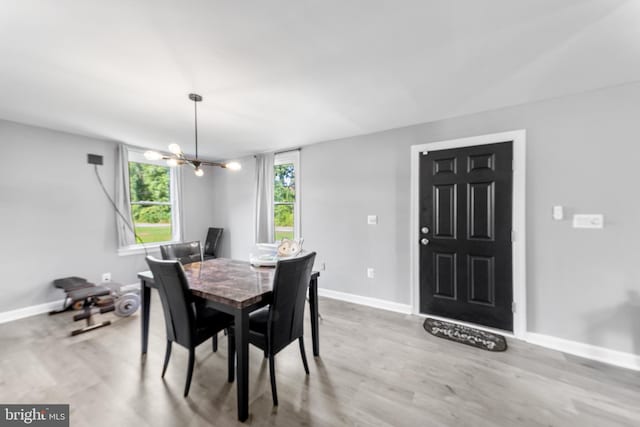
(519,260)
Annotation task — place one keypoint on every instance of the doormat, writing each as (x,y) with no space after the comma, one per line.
(465,335)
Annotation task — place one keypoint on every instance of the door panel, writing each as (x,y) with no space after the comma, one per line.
(482,283)
(445,220)
(465,255)
(444,165)
(445,275)
(481,215)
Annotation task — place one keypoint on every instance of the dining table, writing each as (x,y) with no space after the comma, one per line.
(237,288)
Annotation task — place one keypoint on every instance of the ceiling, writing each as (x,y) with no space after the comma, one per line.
(282,73)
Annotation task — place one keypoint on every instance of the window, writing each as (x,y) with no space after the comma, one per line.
(153,208)
(286,195)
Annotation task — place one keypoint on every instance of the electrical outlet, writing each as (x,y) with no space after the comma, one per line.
(106,277)
(371,273)
(558,213)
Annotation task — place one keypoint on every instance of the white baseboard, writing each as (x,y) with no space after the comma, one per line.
(588,351)
(21,313)
(371,302)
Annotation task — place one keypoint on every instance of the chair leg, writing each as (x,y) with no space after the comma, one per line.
(303,354)
(231,357)
(192,359)
(167,356)
(272,373)
(214,342)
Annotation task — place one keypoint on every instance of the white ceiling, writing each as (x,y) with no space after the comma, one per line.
(277,74)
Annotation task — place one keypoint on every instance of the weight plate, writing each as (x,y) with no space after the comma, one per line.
(127,304)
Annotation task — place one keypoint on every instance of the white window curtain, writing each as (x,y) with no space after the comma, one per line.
(264,198)
(123,199)
(176,197)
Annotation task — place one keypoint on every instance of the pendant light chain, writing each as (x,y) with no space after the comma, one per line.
(179,158)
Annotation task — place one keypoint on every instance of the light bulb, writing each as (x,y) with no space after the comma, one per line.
(152,155)
(198,172)
(172,162)
(234,166)
(175,149)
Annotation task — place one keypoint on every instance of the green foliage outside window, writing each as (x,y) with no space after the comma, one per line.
(285,183)
(284,195)
(150,184)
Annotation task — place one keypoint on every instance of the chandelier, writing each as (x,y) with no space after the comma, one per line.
(177,156)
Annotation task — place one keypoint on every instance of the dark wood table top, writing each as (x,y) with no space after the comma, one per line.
(234,283)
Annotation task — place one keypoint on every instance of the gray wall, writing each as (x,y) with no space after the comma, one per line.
(198,203)
(54,219)
(234,195)
(582,152)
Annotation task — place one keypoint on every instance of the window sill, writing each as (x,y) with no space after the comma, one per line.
(151,249)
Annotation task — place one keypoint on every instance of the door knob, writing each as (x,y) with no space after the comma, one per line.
(424,230)
(424,242)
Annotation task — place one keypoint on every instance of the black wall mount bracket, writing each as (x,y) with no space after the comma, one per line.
(94,159)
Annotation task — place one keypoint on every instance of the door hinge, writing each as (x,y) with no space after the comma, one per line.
(513,236)
(513,306)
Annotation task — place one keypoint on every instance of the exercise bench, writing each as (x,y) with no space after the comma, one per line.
(84,296)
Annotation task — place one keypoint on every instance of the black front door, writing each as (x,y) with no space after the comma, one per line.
(465,234)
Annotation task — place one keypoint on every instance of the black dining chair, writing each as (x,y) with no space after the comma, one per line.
(211,243)
(189,322)
(274,327)
(186,252)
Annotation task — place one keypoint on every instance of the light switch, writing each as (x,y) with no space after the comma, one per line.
(558,213)
(372,219)
(588,221)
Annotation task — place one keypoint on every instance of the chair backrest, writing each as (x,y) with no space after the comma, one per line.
(286,314)
(177,301)
(186,252)
(211,244)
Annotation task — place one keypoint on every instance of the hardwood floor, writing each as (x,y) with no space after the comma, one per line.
(376,368)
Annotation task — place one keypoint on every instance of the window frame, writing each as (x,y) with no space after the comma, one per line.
(290,157)
(176,231)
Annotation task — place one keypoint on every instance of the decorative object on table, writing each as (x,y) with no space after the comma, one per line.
(264,255)
(465,335)
(263,260)
(178,158)
(289,248)
(92,299)
(268,254)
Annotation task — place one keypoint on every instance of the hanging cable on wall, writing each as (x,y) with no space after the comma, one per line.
(115,208)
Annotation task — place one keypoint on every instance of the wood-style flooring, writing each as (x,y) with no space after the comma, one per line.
(376,368)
